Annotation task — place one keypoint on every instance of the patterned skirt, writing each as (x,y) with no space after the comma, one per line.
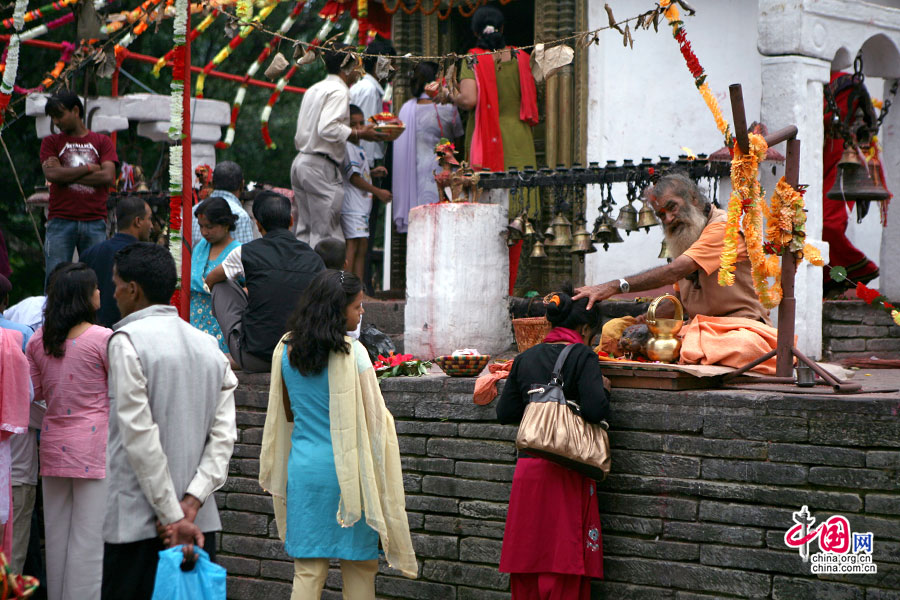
(553,523)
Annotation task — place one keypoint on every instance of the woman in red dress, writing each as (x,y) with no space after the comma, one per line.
(552,545)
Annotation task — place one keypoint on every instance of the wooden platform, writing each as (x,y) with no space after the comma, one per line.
(656,377)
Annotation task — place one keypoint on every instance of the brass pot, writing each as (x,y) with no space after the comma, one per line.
(664,345)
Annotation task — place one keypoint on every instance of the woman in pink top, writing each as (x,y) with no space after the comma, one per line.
(68,369)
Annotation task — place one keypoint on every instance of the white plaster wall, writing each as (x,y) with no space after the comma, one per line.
(457,279)
(642,102)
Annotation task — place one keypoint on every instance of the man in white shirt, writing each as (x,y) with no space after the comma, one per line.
(323,128)
(368,94)
(171,426)
(228,183)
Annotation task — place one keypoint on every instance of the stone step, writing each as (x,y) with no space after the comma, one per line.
(386,315)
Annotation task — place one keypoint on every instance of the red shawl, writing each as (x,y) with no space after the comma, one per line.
(487,141)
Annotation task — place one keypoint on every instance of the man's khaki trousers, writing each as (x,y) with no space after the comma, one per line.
(310,574)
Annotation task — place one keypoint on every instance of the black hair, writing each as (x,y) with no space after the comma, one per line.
(355,110)
(493,16)
(151,267)
(63,100)
(319,324)
(217,212)
(333,252)
(423,74)
(128,209)
(228,176)
(272,210)
(572,313)
(377,47)
(69,291)
(334,57)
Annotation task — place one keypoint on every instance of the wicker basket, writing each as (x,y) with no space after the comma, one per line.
(530,331)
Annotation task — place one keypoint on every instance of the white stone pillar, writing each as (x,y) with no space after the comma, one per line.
(792,93)
(457,279)
(890,237)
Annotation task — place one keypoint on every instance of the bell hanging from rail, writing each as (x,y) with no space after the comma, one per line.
(606,234)
(853,183)
(627,220)
(538,250)
(516,229)
(529,228)
(664,251)
(549,234)
(562,231)
(581,242)
(601,227)
(646,217)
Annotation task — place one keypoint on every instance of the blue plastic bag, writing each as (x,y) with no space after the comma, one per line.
(206,581)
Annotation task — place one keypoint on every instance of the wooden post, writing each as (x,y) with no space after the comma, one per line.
(787,309)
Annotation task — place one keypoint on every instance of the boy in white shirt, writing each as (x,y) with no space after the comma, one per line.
(358,192)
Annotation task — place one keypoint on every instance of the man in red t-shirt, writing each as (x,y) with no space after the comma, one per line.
(80,166)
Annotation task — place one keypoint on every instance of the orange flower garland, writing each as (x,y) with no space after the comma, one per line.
(693,64)
(745,194)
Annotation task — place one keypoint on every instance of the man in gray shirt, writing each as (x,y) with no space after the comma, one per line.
(171,426)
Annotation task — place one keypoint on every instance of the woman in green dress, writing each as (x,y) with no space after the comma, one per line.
(496,84)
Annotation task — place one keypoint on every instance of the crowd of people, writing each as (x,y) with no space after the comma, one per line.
(126,411)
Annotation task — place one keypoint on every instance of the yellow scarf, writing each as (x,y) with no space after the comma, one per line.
(366,454)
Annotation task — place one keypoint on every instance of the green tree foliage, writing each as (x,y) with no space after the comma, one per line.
(248,149)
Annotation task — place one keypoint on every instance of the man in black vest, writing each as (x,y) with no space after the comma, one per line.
(276,269)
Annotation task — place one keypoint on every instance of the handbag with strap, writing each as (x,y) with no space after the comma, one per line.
(552,428)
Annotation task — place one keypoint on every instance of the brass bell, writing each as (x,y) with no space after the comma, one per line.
(603,227)
(516,229)
(549,234)
(627,220)
(562,230)
(538,250)
(664,251)
(646,217)
(610,237)
(853,183)
(581,243)
(529,228)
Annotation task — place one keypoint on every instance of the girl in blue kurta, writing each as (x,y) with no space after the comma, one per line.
(330,306)
(216,224)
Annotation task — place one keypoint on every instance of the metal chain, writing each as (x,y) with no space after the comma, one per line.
(886,105)
(838,127)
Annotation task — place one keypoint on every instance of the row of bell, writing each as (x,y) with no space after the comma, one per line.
(559,234)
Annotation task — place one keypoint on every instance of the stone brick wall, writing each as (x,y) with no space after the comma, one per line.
(702,491)
(853,328)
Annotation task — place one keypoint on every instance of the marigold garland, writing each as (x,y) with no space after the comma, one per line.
(195,33)
(693,64)
(176,131)
(745,195)
(12,58)
(236,41)
(254,67)
(266,112)
(40,13)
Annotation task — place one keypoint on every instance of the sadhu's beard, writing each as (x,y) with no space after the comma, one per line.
(681,234)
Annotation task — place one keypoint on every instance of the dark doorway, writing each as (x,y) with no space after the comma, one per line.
(518,28)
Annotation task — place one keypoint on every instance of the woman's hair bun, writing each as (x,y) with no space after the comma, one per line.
(559,307)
